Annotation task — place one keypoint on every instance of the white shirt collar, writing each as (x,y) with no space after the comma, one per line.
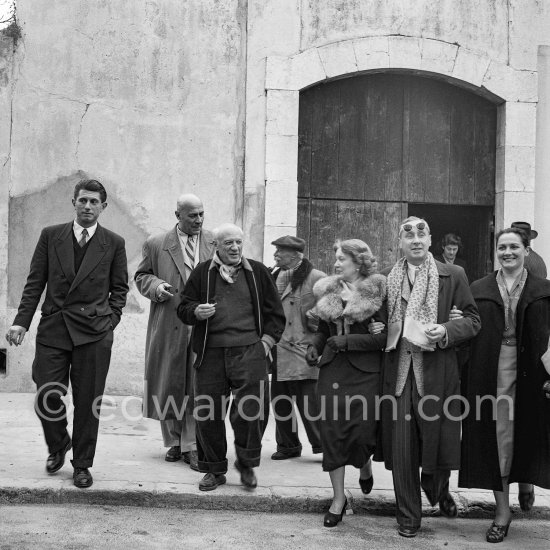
(77,230)
(412,269)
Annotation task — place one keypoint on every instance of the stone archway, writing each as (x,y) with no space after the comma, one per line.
(287,76)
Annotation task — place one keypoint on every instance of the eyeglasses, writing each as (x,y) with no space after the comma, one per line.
(420,226)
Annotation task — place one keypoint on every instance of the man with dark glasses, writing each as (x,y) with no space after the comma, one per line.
(421,411)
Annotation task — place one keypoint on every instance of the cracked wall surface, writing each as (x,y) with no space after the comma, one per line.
(146,97)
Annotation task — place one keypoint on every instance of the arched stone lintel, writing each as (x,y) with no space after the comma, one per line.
(345,58)
(515,91)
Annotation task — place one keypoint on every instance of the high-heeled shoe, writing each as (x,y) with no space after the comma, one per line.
(496,533)
(526,500)
(332,520)
(366,484)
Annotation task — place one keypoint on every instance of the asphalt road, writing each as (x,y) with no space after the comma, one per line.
(49,527)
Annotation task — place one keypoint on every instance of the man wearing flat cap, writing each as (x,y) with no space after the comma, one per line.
(293,380)
(533,262)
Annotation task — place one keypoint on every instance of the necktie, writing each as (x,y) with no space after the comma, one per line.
(190,252)
(82,240)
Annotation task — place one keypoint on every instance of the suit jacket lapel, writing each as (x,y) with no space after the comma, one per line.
(97,247)
(65,252)
(287,290)
(173,246)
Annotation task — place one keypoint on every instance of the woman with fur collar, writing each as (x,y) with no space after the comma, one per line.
(349,358)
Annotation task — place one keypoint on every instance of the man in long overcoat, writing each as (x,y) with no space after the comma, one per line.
(293,380)
(168,260)
(421,407)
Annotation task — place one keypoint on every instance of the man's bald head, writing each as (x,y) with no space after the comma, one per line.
(188,200)
(228,239)
(190,214)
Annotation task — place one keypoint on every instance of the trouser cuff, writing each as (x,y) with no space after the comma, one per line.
(289,450)
(82,462)
(213,467)
(248,457)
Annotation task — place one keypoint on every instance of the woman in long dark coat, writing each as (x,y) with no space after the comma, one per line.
(350,365)
(505,363)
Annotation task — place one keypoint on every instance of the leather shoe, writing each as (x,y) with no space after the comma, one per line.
(280,455)
(447,505)
(332,520)
(173,454)
(366,484)
(526,500)
(248,477)
(408,532)
(191,458)
(56,460)
(211,481)
(82,478)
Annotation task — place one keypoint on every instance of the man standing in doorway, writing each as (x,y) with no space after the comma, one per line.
(533,262)
(293,380)
(168,260)
(83,268)
(237,315)
(421,407)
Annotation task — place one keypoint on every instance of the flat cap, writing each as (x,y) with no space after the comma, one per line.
(288,241)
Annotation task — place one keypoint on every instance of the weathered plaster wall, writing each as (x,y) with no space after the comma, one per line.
(146,96)
(6,85)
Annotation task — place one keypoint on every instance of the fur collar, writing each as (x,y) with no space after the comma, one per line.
(366,299)
(300,274)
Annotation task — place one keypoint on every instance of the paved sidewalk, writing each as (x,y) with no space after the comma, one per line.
(130,469)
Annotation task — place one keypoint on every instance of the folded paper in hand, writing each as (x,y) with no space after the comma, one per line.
(413,331)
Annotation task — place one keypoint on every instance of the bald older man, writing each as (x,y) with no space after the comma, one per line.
(234,305)
(168,260)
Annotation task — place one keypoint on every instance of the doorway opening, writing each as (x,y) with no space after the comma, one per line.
(473,224)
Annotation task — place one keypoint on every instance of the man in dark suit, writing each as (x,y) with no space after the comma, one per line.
(420,408)
(83,268)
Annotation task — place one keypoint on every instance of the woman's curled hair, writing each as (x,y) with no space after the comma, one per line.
(360,252)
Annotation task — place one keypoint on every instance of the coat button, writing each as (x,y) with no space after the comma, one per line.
(82,309)
(522,349)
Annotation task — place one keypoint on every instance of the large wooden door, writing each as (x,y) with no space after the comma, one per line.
(371,145)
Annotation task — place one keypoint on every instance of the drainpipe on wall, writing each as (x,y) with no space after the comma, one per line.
(542,164)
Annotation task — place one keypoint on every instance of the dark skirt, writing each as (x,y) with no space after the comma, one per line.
(348,421)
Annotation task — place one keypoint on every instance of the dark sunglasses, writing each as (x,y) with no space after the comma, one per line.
(420,226)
